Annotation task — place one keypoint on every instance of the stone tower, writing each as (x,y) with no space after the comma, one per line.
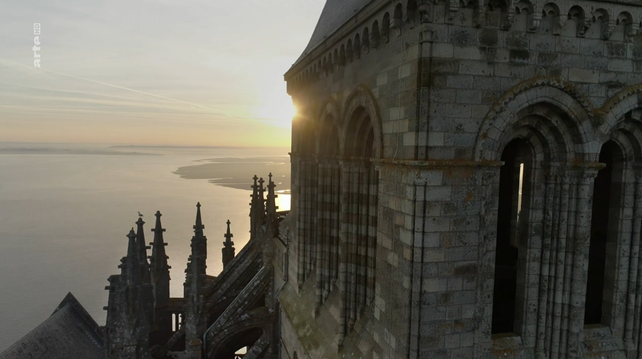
(228,246)
(159,270)
(195,316)
(467,181)
(127,328)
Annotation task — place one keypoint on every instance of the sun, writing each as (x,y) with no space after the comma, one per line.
(273,105)
(277,108)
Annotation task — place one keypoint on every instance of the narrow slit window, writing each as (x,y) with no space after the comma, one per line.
(606,205)
(512,215)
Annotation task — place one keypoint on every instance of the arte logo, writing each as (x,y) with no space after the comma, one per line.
(36,46)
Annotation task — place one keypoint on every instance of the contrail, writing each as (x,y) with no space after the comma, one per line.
(194,105)
(191,104)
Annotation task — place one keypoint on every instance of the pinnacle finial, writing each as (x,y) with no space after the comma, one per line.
(158,227)
(199,223)
(228,246)
(228,235)
(131,247)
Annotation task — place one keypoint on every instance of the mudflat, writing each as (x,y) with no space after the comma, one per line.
(238,172)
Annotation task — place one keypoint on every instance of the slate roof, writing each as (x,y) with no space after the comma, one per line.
(335,13)
(70,332)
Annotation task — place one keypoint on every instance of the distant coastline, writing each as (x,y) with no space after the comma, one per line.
(238,172)
(35,148)
(67,151)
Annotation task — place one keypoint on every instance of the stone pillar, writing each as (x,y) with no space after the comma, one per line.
(488,178)
(306,217)
(634,286)
(583,180)
(194,349)
(322,230)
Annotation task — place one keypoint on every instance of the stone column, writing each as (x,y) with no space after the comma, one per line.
(584,179)
(489,188)
(634,285)
(323,232)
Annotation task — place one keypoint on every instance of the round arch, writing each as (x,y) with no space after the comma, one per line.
(616,108)
(361,101)
(306,127)
(257,320)
(328,125)
(628,136)
(553,102)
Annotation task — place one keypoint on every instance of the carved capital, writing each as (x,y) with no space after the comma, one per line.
(632,30)
(509,20)
(559,25)
(396,25)
(607,29)
(583,26)
(480,14)
(453,8)
(534,20)
(425,11)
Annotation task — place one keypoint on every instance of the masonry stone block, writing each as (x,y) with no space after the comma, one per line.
(447,108)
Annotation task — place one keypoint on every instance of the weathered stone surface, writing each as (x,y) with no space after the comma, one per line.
(561,84)
(69,332)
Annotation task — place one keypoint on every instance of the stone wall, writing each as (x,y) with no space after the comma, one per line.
(446,87)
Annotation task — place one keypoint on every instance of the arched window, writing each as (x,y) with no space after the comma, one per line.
(349,51)
(328,208)
(365,41)
(360,183)
(411,11)
(604,230)
(357,46)
(396,22)
(375,35)
(385,28)
(512,220)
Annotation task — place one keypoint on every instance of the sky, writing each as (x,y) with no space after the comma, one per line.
(150,72)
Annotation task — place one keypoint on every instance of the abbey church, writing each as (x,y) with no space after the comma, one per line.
(466,183)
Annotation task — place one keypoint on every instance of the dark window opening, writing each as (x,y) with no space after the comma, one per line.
(603,208)
(512,217)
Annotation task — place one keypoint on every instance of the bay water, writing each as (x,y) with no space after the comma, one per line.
(65,212)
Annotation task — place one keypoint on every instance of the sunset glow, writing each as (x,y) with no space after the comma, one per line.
(203,78)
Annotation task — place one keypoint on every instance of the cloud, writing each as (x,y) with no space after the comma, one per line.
(210,62)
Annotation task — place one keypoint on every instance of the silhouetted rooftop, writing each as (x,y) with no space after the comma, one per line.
(335,13)
(70,332)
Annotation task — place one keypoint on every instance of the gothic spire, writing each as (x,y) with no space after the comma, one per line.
(195,324)
(228,247)
(146,290)
(199,243)
(257,208)
(199,223)
(159,257)
(261,197)
(255,216)
(140,243)
(271,208)
(131,266)
(160,281)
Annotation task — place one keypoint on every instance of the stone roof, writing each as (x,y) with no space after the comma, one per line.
(335,13)
(70,332)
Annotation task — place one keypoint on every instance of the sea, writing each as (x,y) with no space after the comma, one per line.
(65,211)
